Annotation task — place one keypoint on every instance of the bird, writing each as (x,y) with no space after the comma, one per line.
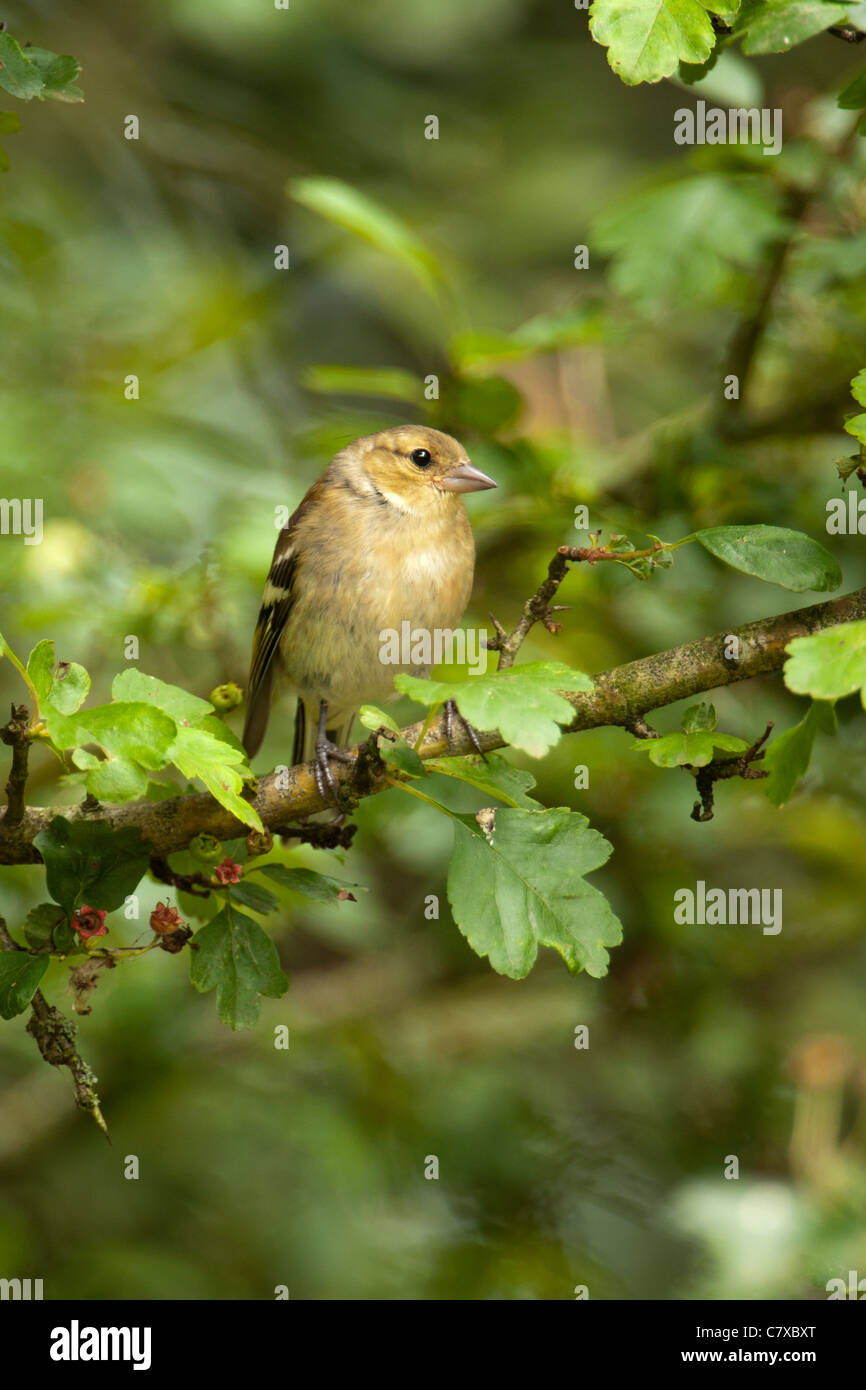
(382,537)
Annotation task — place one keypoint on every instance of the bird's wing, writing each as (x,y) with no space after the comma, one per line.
(277,602)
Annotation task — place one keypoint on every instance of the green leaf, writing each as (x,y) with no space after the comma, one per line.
(646,39)
(10,123)
(858,387)
(237,958)
(856,425)
(725,222)
(130,730)
(789,755)
(373,718)
(254,896)
(20,974)
(62,688)
(357,213)
(88,862)
(852,98)
(59,71)
(523,702)
(18,76)
(774,554)
(365,381)
(400,755)
(699,717)
(161,791)
(202,752)
(695,749)
(309,884)
(117,779)
(495,777)
(134,685)
(829,664)
(42,924)
(774,26)
(521,886)
(40,668)
(111,779)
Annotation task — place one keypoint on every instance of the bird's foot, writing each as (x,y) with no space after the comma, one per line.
(452,713)
(326,782)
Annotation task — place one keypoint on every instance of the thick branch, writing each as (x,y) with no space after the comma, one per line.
(621,696)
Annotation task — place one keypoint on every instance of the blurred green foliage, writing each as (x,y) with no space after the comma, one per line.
(454,258)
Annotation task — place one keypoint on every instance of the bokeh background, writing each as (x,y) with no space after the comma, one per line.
(155,257)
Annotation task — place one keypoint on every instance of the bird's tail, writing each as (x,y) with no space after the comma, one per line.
(258,711)
(339,730)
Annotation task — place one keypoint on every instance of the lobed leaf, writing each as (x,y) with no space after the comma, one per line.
(520,885)
(828,665)
(647,39)
(238,959)
(524,702)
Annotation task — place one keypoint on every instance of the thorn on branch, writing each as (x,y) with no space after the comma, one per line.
(536,610)
(494,644)
(721,769)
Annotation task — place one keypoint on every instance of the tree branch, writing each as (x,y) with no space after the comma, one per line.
(15,734)
(720,769)
(54,1035)
(620,697)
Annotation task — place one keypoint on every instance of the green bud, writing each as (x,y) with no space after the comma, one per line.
(226,697)
(207,849)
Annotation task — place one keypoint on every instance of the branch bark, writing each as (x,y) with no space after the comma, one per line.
(620,697)
(15,735)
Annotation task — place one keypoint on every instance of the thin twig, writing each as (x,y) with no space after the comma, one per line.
(55,1037)
(15,735)
(198,885)
(720,769)
(536,610)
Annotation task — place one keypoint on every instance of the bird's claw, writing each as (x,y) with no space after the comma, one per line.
(452,713)
(326,782)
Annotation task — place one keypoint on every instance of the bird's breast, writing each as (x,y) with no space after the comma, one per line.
(351,594)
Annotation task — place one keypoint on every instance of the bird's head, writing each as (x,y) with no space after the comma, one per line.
(416,468)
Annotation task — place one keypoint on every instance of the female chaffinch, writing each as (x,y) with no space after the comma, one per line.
(380,539)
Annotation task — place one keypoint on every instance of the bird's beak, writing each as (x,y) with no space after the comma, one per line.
(465,477)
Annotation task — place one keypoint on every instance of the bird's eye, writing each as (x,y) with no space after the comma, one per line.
(421,458)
